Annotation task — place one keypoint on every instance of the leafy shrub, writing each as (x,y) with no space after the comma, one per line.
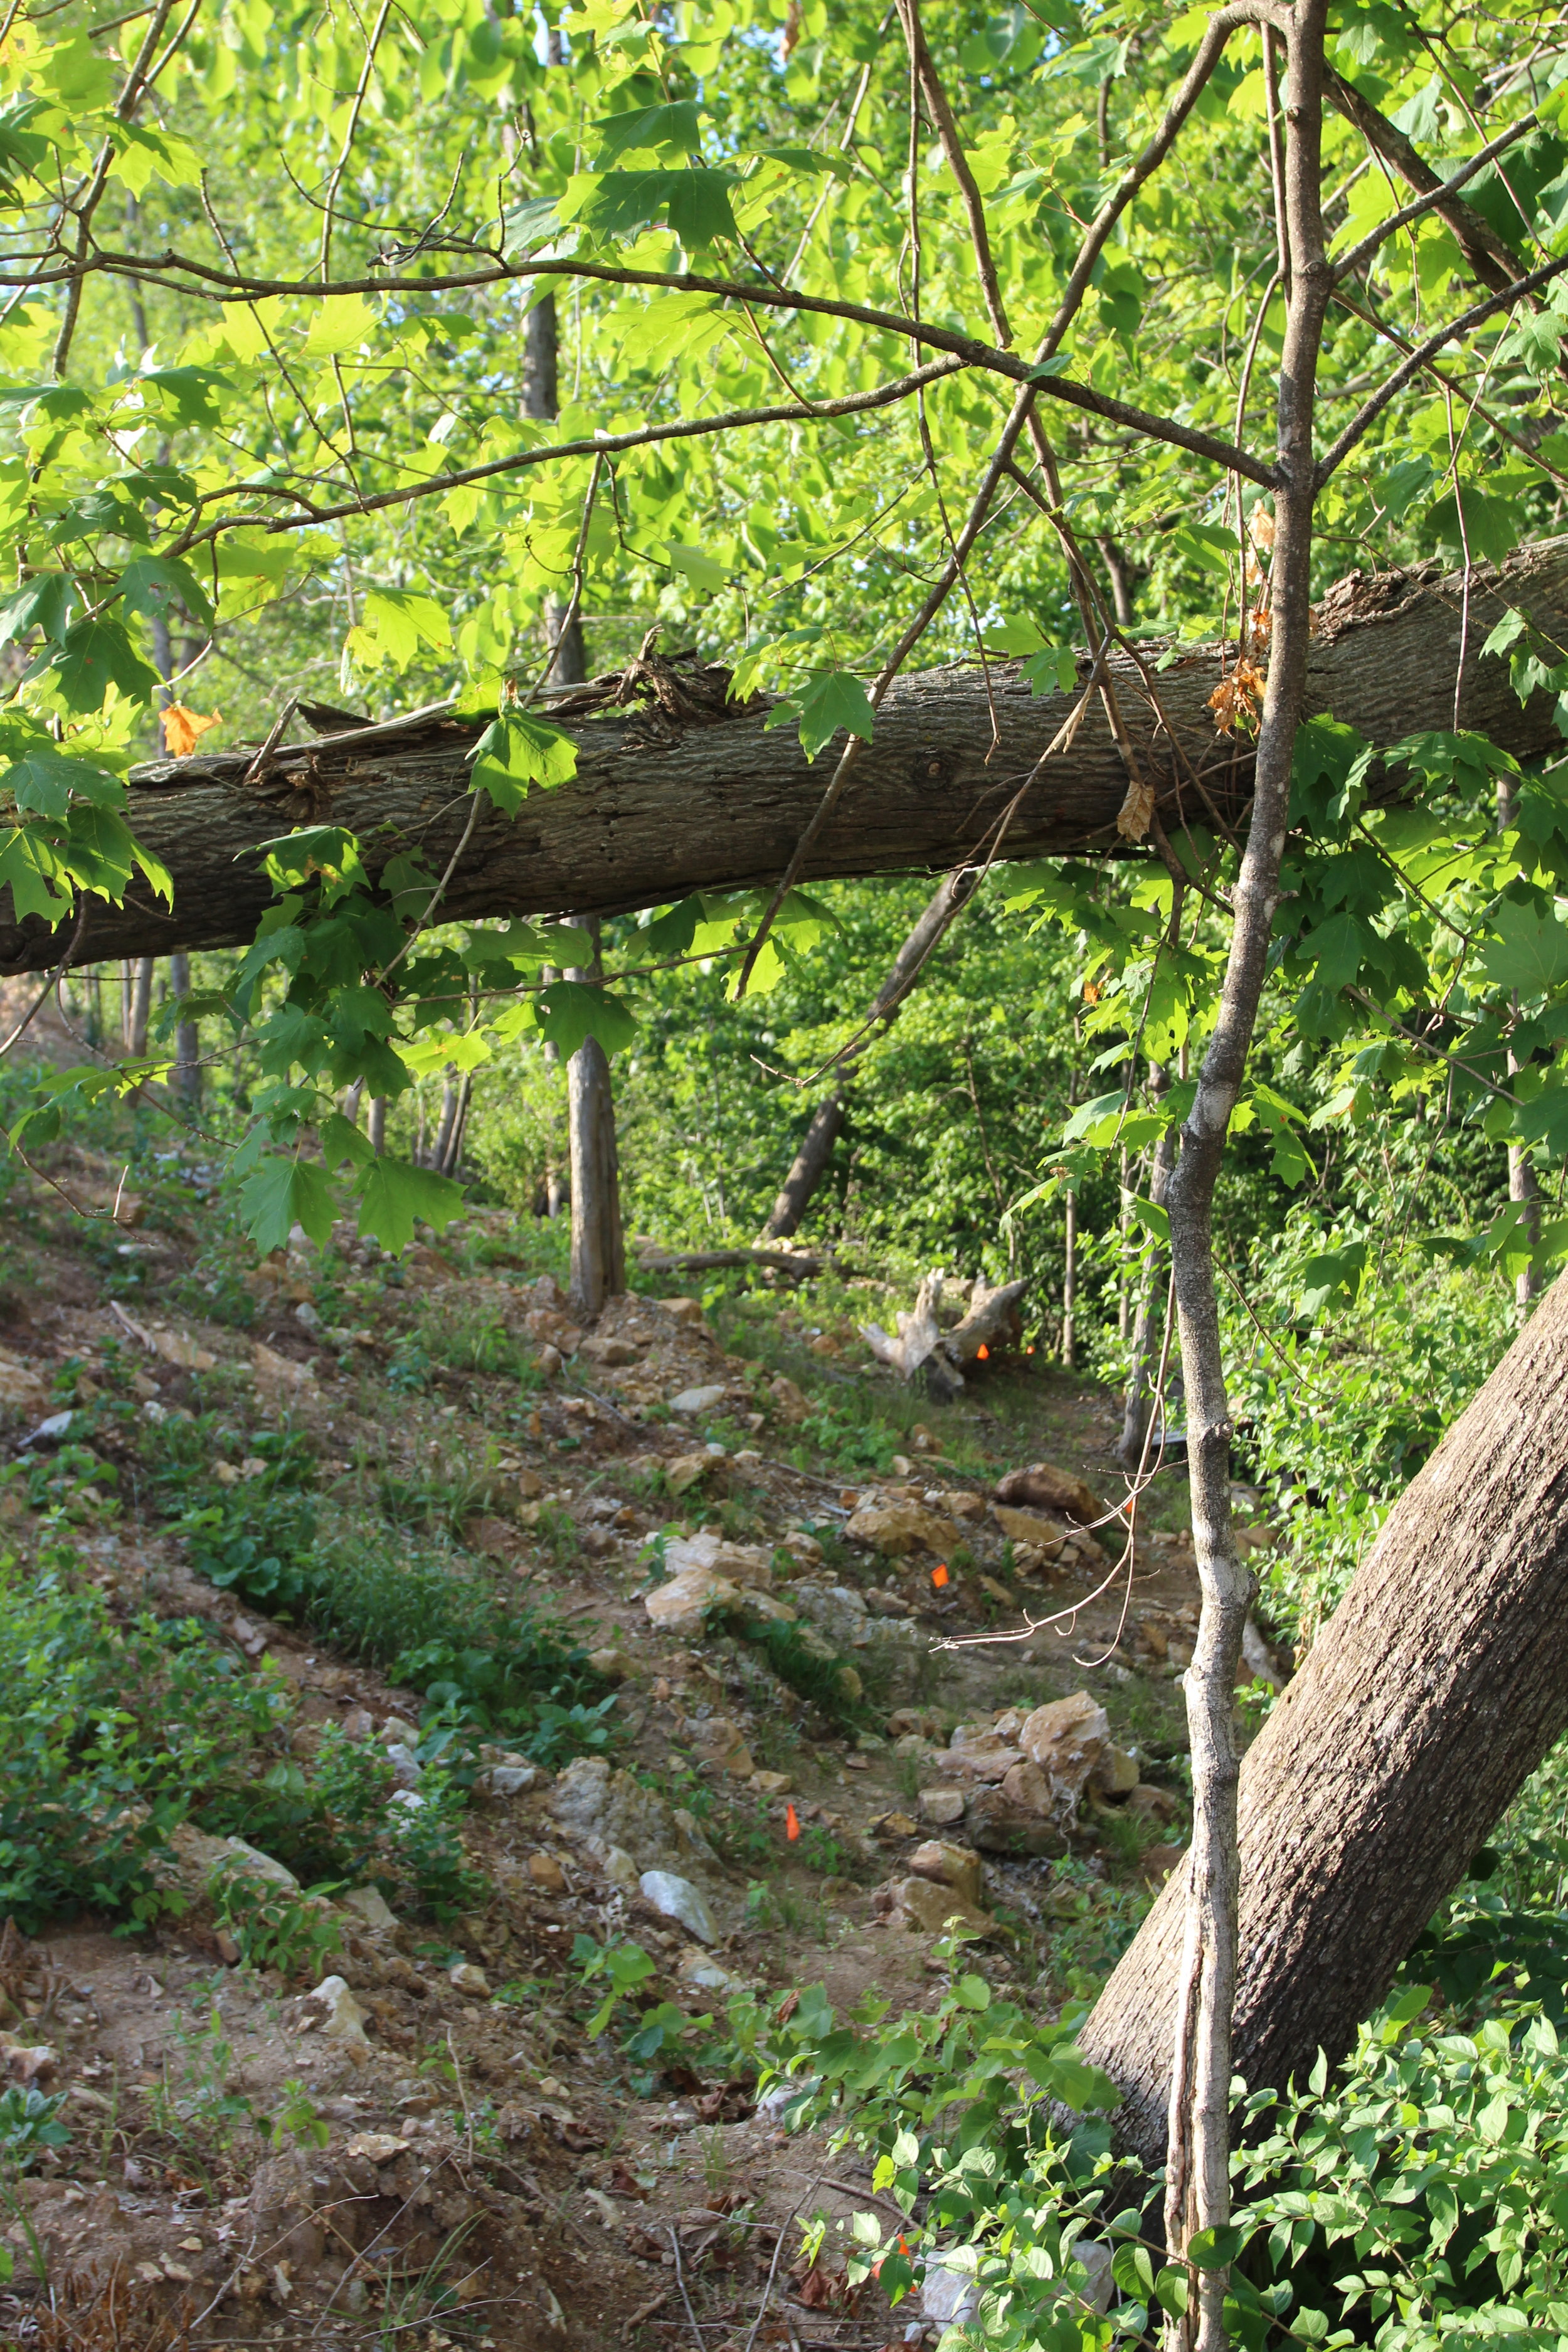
(29,2122)
(413,1613)
(108,1736)
(273,1926)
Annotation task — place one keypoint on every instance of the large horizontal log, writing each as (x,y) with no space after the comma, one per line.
(656,812)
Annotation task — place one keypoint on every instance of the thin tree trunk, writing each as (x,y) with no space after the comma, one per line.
(452,1157)
(449,1097)
(947,901)
(1139,1401)
(1200,2097)
(1070,1282)
(187,1044)
(375,1125)
(139,1005)
(1436,1688)
(806,1169)
(541,397)
(598,1247)
(1523,1189)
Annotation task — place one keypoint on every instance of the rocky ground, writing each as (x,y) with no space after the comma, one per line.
(831,1735)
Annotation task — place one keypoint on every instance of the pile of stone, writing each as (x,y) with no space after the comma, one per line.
(1015,1781)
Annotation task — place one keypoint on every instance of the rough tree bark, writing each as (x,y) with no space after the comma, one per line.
(598,1252)
(949,898)
(646,820)
(1431,1694)
(598,1244)
(806,1169)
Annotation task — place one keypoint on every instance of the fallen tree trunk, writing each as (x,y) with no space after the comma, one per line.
(922,1346)
(1437,1686)
(657,809)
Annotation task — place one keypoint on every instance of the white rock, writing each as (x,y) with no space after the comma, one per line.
(1096,2260)
(213,1855)
(397,1730)
(615,1862)
(464,1976)
(696,1400)
(511,1780)
(344,2019)
(696,1968)
(949,2298)
(371,1905)
(676,1898)
(776,2102)
(405,1763)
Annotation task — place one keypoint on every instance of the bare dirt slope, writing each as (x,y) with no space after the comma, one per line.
(763,1546)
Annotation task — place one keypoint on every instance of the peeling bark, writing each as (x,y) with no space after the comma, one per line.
(722,806)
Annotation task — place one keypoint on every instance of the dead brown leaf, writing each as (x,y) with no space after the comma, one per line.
(184,729)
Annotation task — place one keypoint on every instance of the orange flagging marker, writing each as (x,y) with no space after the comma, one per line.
(938,1576)
(984,1352)
(791,1823)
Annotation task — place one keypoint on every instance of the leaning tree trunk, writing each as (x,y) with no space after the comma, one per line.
(1434,1690)
(947,901)
(806,1170)
(711,807)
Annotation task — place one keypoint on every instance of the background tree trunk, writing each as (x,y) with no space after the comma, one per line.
(598,1244)
(187,1044)
(723,807)
(948,900)
(808,1169)
(138,1004)
(1433,1692)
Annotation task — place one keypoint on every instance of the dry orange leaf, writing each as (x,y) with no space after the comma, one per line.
(1238,699)
(184,729)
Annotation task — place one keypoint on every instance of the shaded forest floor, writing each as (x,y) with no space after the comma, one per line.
(437,2149)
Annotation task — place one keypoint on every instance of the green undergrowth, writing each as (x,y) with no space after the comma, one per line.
(113,1734)
(415,1610)
(812,1671)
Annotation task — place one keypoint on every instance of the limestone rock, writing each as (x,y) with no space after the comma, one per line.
(464,1976)
(1044,1487)
(750,1564)
(959,1502)
(21,1390)
(801,1547)
(943,1806)
(978,1754)
(371,1905)
(681,1606)
(676,1898)
(949,1865)
(1026,1785)
(203,1857)
(590,1801)
(692,1401)
(685,1310)
(546,1874)
(1069,1741)
(998,1825)
(1116,1775)
(607,1351)
(342,2018)
(1146,1802)
(896,1529)
(926,1907)
(684,1471)
(1042,1535)
(770,1784)
(552,1329)
(789,1404)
